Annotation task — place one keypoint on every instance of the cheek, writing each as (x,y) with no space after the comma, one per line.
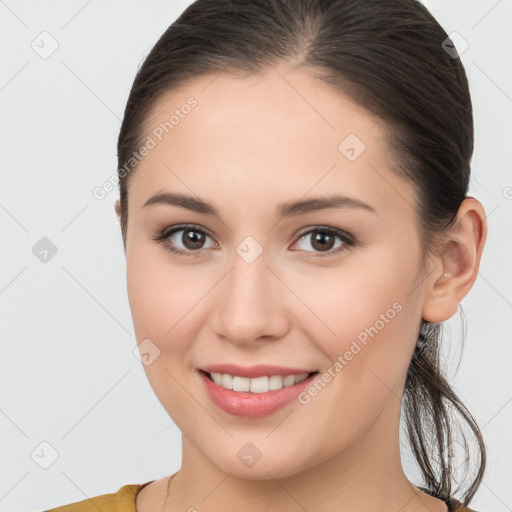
(167,304)
(161,296)
(361,295)
(368,357)
(162,304)
(364,321)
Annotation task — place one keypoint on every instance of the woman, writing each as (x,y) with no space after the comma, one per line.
(293,203)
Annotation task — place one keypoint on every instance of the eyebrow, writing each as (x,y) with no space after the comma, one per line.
(288,209)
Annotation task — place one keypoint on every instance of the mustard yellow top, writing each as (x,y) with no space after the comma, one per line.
(124,501)
(121,501)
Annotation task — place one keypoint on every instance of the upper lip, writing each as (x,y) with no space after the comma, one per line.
(260,370)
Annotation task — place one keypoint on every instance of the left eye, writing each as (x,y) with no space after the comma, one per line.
(324,238)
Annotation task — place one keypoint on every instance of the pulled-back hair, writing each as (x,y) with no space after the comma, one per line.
(390,57)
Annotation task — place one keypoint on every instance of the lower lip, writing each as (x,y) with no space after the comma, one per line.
(253,405)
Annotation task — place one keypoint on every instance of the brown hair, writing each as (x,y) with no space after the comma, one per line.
(389,57)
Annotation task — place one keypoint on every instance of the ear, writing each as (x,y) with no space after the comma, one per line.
(456,265)
(117,208)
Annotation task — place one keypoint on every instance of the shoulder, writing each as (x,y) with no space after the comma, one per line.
(121,501)
(455,505)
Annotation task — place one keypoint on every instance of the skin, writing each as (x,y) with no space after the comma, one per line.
(249,145)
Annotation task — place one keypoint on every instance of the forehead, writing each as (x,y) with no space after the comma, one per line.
(282,133)
(280,104)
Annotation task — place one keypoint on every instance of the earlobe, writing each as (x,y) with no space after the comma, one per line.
(456,265)
(117,208)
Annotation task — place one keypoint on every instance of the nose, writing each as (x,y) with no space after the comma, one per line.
(250,303)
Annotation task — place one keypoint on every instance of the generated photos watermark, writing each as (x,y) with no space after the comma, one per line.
(355,347)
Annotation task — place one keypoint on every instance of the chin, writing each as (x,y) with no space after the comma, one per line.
(248,462)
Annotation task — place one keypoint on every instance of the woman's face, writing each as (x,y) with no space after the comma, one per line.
(262,284)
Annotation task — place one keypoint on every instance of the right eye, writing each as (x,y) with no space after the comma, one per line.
(192,239)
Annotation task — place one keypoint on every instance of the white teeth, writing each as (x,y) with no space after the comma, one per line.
(240,384)
(227,380)
(217,378)
(257,384)
(289,380)
(275,382)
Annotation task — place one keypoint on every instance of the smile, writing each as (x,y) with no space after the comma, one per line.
(256,396)
(257,384)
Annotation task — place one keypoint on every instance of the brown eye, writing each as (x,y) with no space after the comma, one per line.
(184,240)
(192,239)
(325,240)
(322,240)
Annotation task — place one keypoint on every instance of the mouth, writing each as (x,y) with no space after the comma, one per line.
(261,384)
(258,396)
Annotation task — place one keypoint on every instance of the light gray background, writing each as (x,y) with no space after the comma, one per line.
(69,377)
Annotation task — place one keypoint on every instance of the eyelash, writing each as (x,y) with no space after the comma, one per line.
(163,238)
